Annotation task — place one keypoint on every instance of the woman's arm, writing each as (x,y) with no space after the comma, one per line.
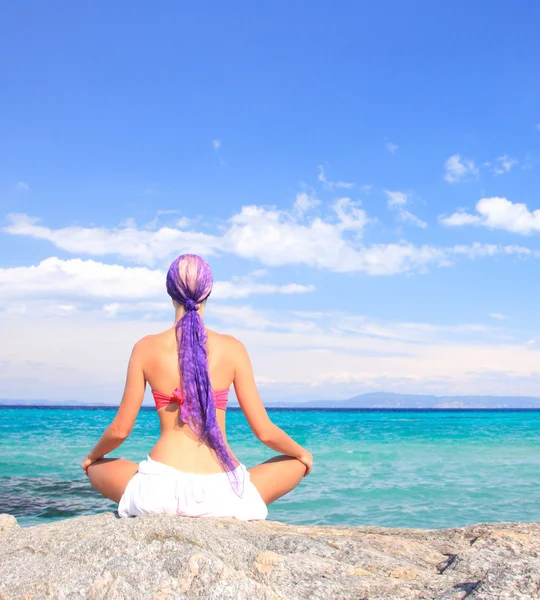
(123,422)
(253,408)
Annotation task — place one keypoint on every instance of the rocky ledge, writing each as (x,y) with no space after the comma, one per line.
(162,557)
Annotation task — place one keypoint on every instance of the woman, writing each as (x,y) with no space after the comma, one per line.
(191,470)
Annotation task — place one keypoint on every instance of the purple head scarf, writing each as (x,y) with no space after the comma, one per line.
(189,282)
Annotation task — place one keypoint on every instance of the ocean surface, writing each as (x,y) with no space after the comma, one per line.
(428,469)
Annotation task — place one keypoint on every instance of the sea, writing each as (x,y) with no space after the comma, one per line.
(392,468)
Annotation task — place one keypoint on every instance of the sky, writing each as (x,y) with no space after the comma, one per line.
(363,178)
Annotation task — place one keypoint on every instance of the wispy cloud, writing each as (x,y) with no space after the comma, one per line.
(498,316)
(458,169)
(332,185)
(248,285)
(408,217)
(179,223)
(392,148)
(22,185)
(397,201)
(216,144)
(396,198)
(502,164)
(330,354)
(305,201)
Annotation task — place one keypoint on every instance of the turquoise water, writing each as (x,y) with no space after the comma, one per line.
(398,469)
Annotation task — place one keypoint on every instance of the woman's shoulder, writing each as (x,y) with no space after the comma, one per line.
(225,340)
(155,339)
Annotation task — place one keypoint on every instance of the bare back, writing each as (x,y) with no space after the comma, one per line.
(228,363)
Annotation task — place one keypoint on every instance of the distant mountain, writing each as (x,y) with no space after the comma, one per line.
(371,400)
(11,402)
(389,400)
(57,403)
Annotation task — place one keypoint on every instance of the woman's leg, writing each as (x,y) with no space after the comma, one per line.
(277,476)
(110,476)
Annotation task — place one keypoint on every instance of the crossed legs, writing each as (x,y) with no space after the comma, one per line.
(273,478)
(110,476)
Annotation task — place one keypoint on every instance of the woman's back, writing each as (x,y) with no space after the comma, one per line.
(178,445)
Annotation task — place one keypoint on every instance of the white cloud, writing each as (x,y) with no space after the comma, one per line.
(332,185)
(89,283)
(22,185)
(503,164)
(81,279)
(142,246)
(216,144)
(498,213)
(537,127)
(350,215)
(459,169)
(497,316)
(397,201)
(391,147)
(459,218)
(271,236)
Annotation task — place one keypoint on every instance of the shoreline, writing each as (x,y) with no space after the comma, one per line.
(151,407)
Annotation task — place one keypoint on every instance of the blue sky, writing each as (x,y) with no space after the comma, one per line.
(363,179)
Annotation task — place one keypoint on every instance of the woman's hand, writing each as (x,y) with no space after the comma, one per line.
(86,463)
(307,459)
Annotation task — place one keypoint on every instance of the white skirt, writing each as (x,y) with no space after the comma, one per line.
(158,488)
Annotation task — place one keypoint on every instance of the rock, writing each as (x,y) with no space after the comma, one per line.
(7,522)
(163,557)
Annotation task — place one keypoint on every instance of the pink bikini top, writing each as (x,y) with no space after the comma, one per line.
(220,398)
